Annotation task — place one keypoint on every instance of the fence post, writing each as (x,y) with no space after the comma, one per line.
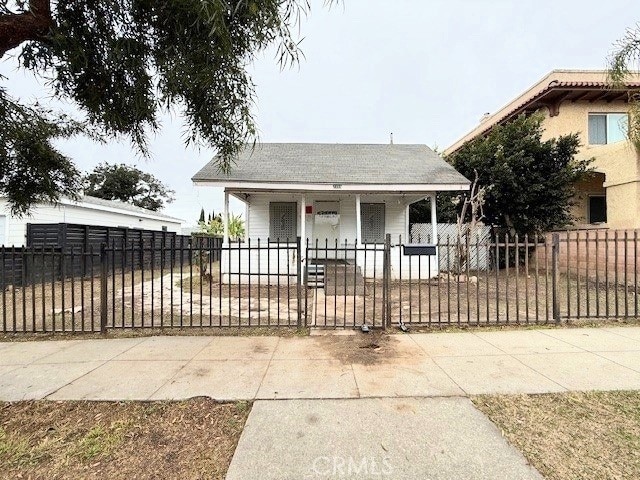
(555,252)
(299,279)
(103,288)
(386,271)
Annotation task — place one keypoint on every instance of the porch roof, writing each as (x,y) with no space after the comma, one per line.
(287,166)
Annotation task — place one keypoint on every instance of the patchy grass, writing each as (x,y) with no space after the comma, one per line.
(166,332)
(190,439)
(572,435)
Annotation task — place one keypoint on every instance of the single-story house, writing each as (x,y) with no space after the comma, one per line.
(85,211)
(331,194)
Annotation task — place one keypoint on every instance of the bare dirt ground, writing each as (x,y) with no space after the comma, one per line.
(183,298)
(502,299)
(572,435)
(147,440)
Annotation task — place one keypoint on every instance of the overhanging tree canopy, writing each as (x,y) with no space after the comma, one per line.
(626,56)
(530,182)
(124,61)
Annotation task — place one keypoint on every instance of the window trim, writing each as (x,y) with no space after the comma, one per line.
(606,126)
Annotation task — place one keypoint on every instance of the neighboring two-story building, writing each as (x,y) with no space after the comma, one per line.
(583,102)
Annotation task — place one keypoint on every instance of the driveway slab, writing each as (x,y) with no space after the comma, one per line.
(222,380)
(583,371)
(120,380)
(495,374)
(445,438)
(29,382)
(308,379)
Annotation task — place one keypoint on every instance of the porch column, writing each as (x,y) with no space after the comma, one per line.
(358,221)
(225,218)
(434,220)
(247,227)
(303,224)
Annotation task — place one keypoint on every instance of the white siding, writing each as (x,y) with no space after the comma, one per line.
(237,263)
(395,214)
(396,224)
(259,213)
(79,214)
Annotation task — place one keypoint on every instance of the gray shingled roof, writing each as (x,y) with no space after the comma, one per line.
(336,163)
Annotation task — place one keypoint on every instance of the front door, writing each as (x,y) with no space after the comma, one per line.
(326,223)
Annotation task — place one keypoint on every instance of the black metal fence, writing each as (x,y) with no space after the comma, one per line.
(559,278)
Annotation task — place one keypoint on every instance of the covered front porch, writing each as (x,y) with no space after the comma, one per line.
(344,230)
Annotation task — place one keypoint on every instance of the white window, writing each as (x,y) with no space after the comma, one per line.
(283,221)
(372,222)
(605,128)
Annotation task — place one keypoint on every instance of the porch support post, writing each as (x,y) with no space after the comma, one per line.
(225,218)
(247,227)
(303,226)
(358,221)
(434,220)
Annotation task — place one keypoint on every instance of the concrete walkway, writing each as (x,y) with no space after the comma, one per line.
(337,367)
(386,438)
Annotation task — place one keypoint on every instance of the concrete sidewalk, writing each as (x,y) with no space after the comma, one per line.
(409,365)
(386,438)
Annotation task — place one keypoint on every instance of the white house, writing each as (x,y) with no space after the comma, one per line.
(332,194)
(85,211)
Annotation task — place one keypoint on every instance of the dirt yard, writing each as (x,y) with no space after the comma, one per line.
(569,436)
(188,440)
(182,298)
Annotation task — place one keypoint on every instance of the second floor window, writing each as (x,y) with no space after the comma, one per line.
(605,128)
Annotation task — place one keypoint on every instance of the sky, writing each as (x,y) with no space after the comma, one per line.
(426,70)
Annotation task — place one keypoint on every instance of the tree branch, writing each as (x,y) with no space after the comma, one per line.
(32,24)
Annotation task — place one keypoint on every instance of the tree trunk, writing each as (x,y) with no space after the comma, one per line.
(32,24)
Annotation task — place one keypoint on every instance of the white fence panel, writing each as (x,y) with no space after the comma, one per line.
(479,258)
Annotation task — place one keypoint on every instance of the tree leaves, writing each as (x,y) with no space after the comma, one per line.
(531,182)
(31,169)
(124,62)
(127,184)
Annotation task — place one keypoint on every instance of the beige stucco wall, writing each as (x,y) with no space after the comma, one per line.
(618,161)
(593,185)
